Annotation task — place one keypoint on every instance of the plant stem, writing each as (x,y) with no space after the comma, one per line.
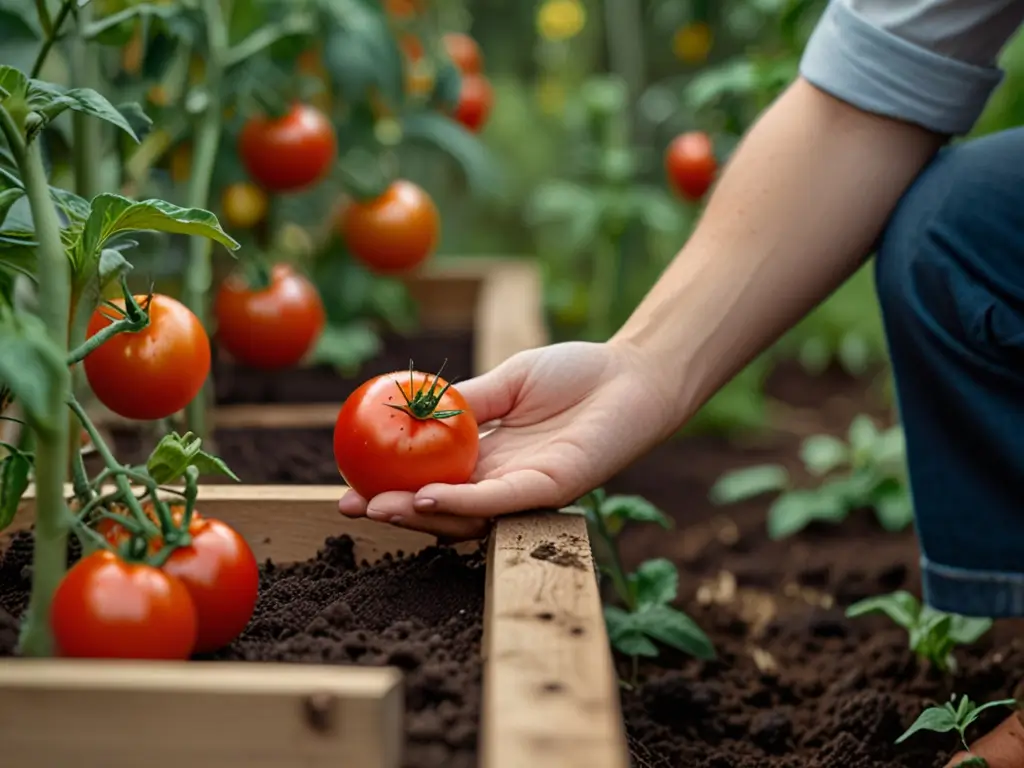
(88,131)
(624,30)
(199,276)
(52,35)
(124,325)
(603,288)
(49,561)
(617,572)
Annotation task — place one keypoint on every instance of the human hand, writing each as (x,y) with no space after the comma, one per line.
(569,417)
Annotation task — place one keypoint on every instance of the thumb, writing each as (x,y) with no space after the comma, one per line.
(492,395)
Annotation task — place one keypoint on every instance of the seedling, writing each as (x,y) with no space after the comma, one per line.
(954,718)
(933,634)
(867,471)
(646,595)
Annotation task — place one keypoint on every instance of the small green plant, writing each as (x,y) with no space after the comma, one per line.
(868,471)
(954,718)
(933,634)
(646,614)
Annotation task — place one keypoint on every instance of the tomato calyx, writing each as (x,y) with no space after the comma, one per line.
(423,403)
(133,318)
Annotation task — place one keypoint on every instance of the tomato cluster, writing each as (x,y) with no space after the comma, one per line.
(476,96)
(197,601)
(402,431)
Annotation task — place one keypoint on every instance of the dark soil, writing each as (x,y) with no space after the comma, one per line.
(235,384)
(422,614)
(796,684)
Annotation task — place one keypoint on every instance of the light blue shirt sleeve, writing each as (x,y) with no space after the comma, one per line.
(932,63)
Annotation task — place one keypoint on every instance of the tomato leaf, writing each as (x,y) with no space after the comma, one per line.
(18,253)
(483,175)
(14,472)
(938,719)
(655,582)
(894,507)
(175,453)
(31,366)
(795,510)
(675,629)
(346,347)
(624,635)
(360,52)
(50,101)
(822,454)
(13,85)
(634,509)
(747,483)
(9,197)
(900,606)
(447,87)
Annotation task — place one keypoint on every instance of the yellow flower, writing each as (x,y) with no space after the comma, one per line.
(560,19)
(692,43)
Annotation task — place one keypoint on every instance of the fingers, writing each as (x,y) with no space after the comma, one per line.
(515,492)
(396,508)
(492,395)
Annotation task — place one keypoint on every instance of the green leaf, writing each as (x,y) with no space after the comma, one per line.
(360,53)
(965,630)
(741,484)
(97,30)
(14,472)
(9,197)
(675,629)
(18,253)
(623,634)
(655,582)
(822,454)
(175,453)
(795,510)
(863,434)
(890,450)
(900,606)
(113,215)
(634,509)
(13,84)
(31,366)
(71,205)
(483,175)
(938,719)
(894,508)
(854,353)
(346,347)
(447,87)
(51,100)
(973,714)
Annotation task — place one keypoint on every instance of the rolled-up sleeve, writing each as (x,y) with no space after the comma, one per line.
(928,63)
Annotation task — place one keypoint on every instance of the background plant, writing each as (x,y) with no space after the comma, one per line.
(950,717)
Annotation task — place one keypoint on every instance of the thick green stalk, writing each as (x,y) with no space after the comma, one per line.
(624,30)
(50,556)
(199,275)
(88,131)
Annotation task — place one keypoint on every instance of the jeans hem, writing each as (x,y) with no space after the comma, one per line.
(969,592)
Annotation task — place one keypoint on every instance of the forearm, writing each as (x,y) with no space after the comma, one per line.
(797,209)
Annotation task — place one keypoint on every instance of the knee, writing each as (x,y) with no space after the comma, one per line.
(964,213)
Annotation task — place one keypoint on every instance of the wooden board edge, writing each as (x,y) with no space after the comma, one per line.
(284,523)
(551,695)
(265,714)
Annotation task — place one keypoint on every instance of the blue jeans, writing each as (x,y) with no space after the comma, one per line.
(950,279)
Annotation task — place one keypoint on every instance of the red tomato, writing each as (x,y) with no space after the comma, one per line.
(221,574)
(394,232)
(464,53)
(153,373)
(691,165)
(272,328)
(288,153)
(396,433)
(475,101)
(105,608)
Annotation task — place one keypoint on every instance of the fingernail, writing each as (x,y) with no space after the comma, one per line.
(424,504)
(378,514)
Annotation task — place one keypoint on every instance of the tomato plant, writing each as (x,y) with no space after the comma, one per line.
(476,98)
(691,164)
(394,232)
(115,534)
(289,153)
(403,430)
(152,373)
(272,327)
(464,53)
(220,572)
(244,205)
(108,608)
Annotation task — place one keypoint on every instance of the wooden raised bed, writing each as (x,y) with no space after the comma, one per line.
(550,697)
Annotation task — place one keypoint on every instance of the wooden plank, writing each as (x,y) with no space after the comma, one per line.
(551,697)
(108,714)
(286,523)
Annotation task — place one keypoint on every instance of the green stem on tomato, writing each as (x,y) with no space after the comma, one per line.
(199,276)
(49,561)
(79,477)
(52,32)
(603,288)
(88,131)
(123,325)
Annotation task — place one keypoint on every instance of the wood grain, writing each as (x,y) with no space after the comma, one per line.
(286,523)
(109,714)
(551,697)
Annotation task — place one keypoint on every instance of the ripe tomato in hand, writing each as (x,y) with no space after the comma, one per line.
(402,431)
(691,165)
(464,53)
(220,572)
(153,373)
(394,232)
(475,101)
(288,153)
(106,608)
(272,328)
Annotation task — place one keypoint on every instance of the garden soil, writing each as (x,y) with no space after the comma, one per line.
(421,613)
(795,684)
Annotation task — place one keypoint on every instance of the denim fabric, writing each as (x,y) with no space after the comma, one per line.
(950,279)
